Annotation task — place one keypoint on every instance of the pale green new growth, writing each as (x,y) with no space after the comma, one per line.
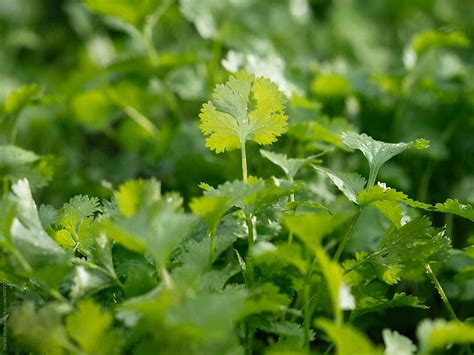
(244,108)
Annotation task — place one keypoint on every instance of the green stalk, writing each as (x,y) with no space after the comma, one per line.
(372,176)
(212,248)
(440,290)
(252,233)
(347,237)
(249,333)
(147,34)
(244,160)
(166,278)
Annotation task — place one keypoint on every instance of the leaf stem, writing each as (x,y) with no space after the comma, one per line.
(212,248)
(252,233)
(372,176)
(441,292)
(166,278)
(244,160)
(347,237)
(150,23)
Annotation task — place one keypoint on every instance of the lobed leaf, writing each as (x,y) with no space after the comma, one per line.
(244,108)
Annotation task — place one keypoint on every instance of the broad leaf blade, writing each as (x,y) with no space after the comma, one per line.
(244,108)
(350,184)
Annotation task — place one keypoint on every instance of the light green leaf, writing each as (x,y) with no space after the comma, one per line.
(311,227)
(350,184)
(331,85)
(289,165)
(347,339)
(391,210)
(20,98)
(244,108)
(149,222)
(90,327)
(438,334)
(76,210)
(211,208)
(87,281)
(370,303)
(377,152)
(397,344)
(27,231)
(430,39)
(42,328)
(339,292)
(381,193)
(409,249)
(457,208)
(17,163)
(134,194)
(132,12)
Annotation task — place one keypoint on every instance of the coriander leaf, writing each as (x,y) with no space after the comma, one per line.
(381,193)
(211,208)
(20,98)
(350,184)
(311,227)
(457,208)
(77,209)
(409,249)
(289,165)
(377,152)
(429,39)
(131,12)
(339,292)
(397,344)
(90,327)
(42,329)
(149,222)
(17,163)
(87,281)
(369,303)
(27,232)
(244,108)
(438,334)
(347,339)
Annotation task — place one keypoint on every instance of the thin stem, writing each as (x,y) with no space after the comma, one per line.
(24,263)
(347,237)
(244,160)
(212,248)
(372,176)
(290,237)
(252,233)
(440,290)
(249,333)
(150,23)
(307,315)
(166,278)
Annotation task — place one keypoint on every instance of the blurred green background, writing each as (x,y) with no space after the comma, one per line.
(121,83)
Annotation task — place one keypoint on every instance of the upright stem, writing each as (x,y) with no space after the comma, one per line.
(251,238)
(150,23)
(347,237)
(212,248)
(372,176)
(440,290)
(166,278)
(244,160)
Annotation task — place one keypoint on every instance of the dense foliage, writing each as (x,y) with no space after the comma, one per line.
(228,177)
